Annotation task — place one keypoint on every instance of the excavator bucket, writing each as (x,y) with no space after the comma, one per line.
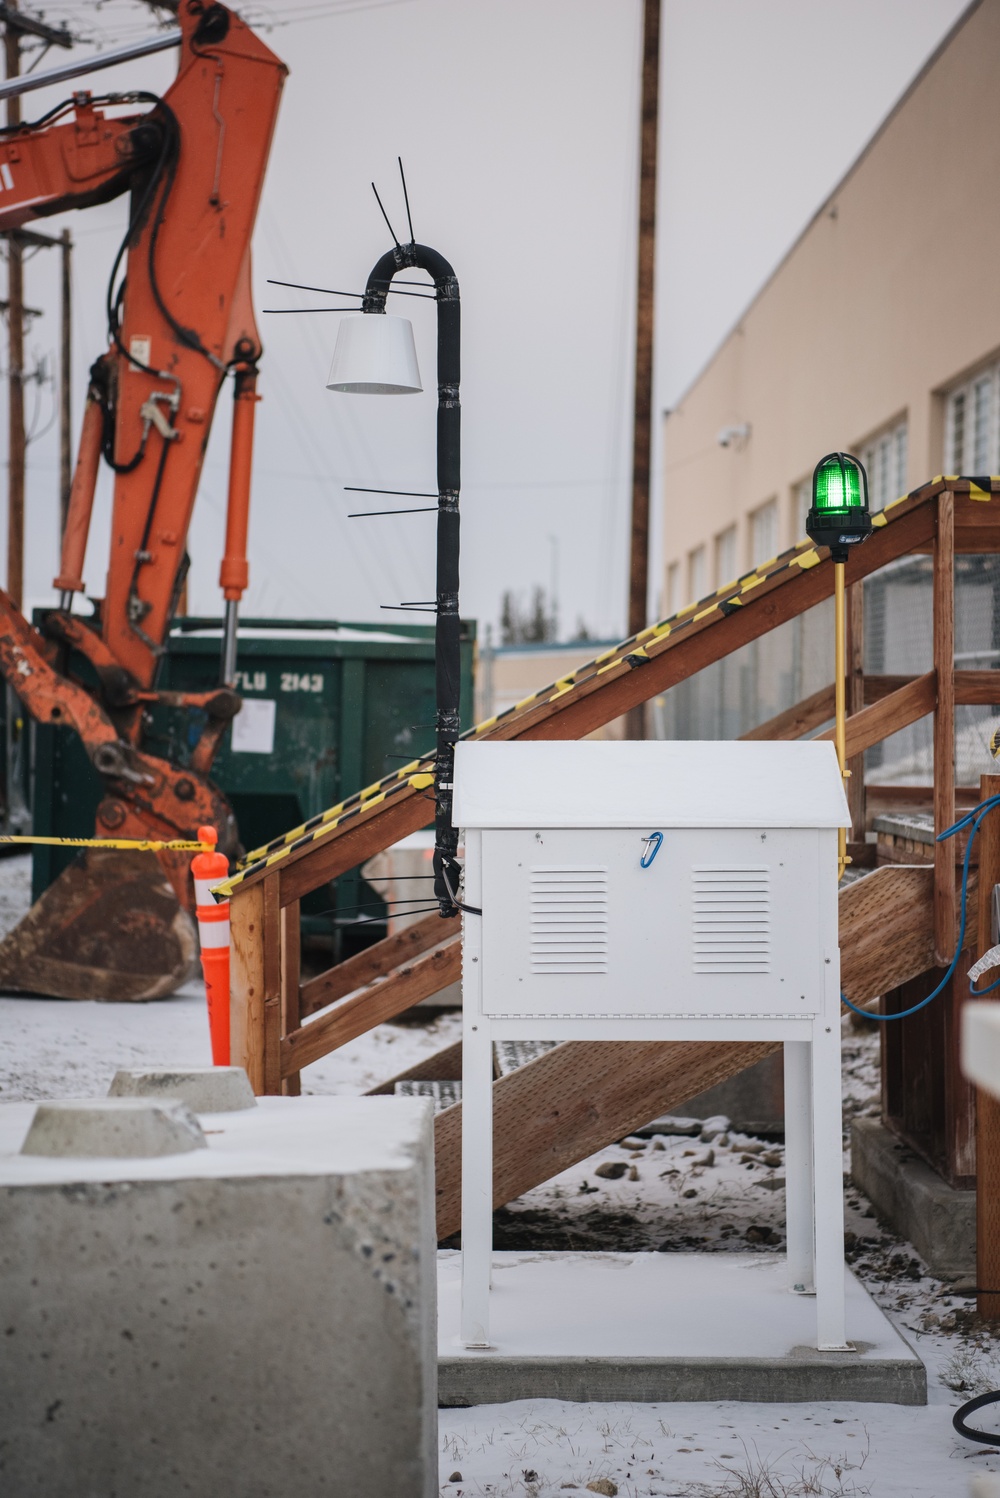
(110,927)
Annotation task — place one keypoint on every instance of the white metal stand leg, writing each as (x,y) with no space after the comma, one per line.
(828,1156)
(799,1186)
(477,1178)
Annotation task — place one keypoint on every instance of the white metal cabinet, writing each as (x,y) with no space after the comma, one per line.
(722,922)
(728,933)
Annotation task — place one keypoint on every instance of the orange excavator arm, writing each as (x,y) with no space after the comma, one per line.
(182,319)
(180,322)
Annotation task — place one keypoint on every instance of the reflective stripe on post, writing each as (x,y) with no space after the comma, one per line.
(213,925)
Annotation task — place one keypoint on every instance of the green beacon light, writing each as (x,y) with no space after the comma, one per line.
(839,517)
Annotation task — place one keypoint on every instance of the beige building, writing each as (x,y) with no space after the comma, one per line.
(507,674)
(878,333)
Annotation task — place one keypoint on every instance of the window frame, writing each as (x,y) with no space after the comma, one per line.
(885,455)
(971,443)
(770,509)
(726,538)
(697,561)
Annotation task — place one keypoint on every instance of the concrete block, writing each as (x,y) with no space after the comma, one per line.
(754,1099)
(257,1317)
(117,1128)
(937,1219)
(205,1089)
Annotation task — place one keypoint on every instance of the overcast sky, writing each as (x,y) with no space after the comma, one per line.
(517,121)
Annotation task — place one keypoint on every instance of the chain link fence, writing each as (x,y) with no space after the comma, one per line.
(764,678)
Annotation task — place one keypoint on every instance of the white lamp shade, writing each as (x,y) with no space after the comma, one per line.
(375,355)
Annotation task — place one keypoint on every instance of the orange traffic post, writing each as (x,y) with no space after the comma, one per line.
(213,933)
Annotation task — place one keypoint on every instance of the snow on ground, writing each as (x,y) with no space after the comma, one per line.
(669,1192)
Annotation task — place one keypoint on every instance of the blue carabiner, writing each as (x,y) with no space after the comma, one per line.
(654,840)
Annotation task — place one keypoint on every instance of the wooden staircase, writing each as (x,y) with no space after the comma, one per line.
(895,923)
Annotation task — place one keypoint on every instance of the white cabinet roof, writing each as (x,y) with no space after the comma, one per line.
(651,783)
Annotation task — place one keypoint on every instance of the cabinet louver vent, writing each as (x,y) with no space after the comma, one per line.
(731,930)
(569,919)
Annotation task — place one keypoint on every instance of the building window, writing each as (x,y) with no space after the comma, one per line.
(802,504)
(697,574)
(972,428)
(725,557)
(674,604)
(764,533)
(884,458)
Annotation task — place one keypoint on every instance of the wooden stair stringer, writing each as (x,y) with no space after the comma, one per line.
(582,1096)
(576,1099)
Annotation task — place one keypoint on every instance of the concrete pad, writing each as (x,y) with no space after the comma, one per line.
(205,1089)
(662,1327)
(254,1318)
(938,1219)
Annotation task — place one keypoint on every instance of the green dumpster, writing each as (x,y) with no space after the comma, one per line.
(329,708)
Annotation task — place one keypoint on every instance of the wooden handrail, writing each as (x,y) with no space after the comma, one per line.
(796,721)
(375,962)
(901,708)
(977,688)
(380,1001)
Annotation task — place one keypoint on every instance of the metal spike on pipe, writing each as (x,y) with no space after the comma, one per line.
(29,81)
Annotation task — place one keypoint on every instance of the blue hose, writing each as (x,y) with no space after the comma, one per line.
(975,816)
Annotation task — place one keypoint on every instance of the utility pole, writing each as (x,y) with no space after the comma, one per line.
(17,25)
(643,411)
(15,353)
(65,376)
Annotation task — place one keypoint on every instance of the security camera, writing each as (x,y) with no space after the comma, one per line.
(734,436)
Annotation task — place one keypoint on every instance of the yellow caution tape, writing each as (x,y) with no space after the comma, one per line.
(179,845)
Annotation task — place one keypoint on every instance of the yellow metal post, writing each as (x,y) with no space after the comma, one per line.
(840,695)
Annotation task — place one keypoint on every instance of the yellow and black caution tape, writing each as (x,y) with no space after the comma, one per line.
(140,845)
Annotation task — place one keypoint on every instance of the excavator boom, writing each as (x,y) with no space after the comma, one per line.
(180,321)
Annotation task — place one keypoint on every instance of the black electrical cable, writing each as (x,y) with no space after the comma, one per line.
(98,391)
(988,1438)
(48,116)
(188,336)
(974,818)
(169,142)
(164,171)
(469,909)
(158,190)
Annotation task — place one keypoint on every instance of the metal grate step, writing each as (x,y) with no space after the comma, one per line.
(444,1094)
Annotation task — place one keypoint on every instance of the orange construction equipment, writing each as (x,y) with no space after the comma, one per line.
(180,322)
(213,932)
